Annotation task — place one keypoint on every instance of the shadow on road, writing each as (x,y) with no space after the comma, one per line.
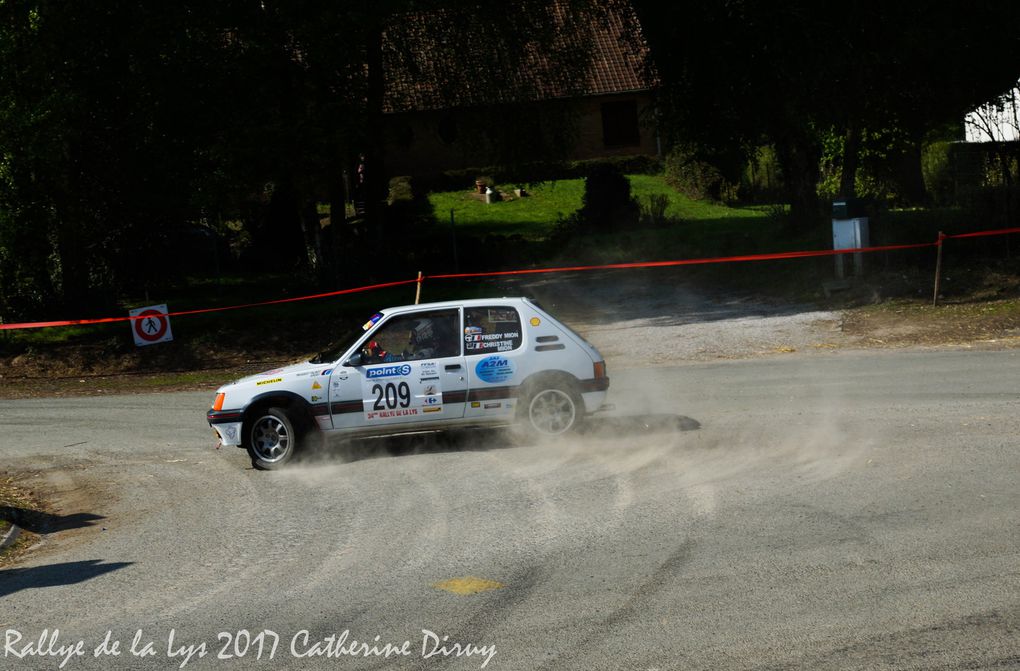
(46,523)
(54,575)
(485,439)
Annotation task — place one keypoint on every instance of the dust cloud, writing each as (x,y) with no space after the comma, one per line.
(665,444)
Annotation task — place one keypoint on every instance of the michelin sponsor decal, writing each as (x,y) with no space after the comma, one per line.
(273,381)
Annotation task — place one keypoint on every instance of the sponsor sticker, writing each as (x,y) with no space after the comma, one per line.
(387,414)
(273,381)
(372,320)
(535,321)
(397,392)
(502,315)
(388,371)
(494,369)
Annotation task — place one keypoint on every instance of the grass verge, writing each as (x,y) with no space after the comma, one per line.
(14,502)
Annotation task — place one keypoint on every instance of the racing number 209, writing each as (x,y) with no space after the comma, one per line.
(391,396)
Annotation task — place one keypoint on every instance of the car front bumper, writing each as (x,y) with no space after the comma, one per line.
(227,425)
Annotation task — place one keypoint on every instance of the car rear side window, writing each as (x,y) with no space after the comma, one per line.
(491,329)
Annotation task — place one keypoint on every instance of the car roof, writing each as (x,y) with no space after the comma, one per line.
(471,302)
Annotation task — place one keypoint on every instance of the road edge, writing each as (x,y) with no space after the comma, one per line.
(12,535)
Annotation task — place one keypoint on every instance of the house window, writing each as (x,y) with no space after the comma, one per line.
(620,124)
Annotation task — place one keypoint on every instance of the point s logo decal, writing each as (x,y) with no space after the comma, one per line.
(494,369)
(388,371)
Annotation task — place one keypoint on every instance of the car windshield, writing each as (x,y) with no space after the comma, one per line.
(341,345)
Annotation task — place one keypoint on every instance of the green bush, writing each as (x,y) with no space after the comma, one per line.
(936,167)
(607,204)
(696,178)
(401,188)
(653,209)
(762,180)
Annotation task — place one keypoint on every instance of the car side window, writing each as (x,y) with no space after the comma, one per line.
(491,329)
(422,335)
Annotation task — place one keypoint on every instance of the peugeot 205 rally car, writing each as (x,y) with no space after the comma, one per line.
(420,367)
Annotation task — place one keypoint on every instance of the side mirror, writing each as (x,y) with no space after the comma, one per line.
(355,360)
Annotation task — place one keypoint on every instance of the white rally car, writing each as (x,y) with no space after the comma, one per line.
(421,367)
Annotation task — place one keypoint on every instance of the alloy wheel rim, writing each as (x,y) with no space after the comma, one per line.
(552,412)
(270,439)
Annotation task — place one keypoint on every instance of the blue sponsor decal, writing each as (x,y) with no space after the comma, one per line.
(326,372)
(494,369)
(388,371)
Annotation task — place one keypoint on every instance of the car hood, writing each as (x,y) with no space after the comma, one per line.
(302,369)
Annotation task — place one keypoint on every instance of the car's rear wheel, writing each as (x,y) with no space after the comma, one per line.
(271,438)
(551,410)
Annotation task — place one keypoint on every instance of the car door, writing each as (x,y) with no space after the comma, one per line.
(495,358)
(411,370)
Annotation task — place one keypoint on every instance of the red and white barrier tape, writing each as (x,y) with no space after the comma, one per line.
(528,271)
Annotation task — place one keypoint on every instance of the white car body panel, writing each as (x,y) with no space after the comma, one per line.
(477,386)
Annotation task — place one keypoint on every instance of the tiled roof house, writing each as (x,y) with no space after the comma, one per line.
(441,85)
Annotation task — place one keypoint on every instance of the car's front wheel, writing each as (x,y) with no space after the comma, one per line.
(271,438)
(551,410)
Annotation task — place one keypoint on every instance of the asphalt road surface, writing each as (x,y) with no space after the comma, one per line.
(837,511)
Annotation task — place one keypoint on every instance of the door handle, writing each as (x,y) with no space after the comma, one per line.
(453,367)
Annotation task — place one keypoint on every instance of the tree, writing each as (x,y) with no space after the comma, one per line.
(96,162)
(737,74)
(123,120)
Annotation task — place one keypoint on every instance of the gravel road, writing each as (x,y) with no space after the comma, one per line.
(841,511)
(756,501)
(638,319)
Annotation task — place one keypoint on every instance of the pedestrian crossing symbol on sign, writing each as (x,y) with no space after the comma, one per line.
(150,325)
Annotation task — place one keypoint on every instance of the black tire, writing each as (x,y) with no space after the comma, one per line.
(271,438)
(550,410)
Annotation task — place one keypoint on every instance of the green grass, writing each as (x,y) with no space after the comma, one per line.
(531,217)
(683,208)
(535,216)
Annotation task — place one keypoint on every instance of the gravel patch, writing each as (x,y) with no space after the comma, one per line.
(639,319)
